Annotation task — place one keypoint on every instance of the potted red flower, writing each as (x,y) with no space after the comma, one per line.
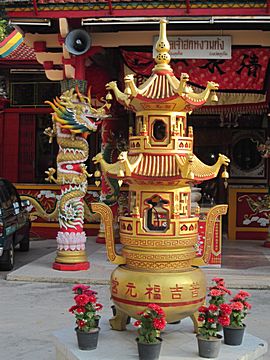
(238,310)
(85,311)
(209,341)
(151,322)
(211,319)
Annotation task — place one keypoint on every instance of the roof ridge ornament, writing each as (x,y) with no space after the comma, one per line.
(163,57)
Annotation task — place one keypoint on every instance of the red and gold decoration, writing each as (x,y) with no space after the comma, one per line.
(159,233)
(215,257)
(73,119)
(43,209)
(249,213)
(246,64)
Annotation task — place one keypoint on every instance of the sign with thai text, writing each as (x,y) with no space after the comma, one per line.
(198,47)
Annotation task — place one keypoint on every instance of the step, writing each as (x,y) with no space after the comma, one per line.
(179,342)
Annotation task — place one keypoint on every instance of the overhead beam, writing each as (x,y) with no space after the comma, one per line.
(150,12)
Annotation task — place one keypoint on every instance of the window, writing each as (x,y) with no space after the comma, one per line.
(156,216)
(159,130)
(16,208)
(33,93)
(246,155)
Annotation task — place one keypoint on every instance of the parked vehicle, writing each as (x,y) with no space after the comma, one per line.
(14,224)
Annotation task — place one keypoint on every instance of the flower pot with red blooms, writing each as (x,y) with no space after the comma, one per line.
(149,351)
(151,322)
(87,340)
(234,331)
(209,341)
(209,347)
(233,335)
(211,319)
(85,311)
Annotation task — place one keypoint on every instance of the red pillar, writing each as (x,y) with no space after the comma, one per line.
(80,68)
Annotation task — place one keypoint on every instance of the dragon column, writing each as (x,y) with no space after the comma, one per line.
(73,120)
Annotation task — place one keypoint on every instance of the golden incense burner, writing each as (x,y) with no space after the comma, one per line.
(160,233)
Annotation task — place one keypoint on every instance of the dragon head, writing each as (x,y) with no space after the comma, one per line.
(223,159)
(211,85)
(184,77)
(122,157)
(74,112)
(97,159)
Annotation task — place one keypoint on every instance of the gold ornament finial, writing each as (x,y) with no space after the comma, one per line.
(162,46)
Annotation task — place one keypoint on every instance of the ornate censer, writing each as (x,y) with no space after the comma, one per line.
(160,233)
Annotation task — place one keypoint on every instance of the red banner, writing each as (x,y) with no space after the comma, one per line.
(245,71)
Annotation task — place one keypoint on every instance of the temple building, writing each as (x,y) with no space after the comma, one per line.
(57,45)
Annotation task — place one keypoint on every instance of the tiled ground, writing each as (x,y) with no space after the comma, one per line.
(243,254)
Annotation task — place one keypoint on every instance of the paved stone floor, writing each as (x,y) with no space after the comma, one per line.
(242,254)
(244,265)
(35,299)
(178,342)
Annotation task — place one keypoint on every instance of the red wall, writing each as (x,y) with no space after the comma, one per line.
(9,146)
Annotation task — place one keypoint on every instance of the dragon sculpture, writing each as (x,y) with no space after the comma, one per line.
(73,120)
(113,141)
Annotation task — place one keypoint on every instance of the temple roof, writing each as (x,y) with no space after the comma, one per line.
(13,48)
(159,88)
(140,7)
(22,53)
(183,3)
(159,166)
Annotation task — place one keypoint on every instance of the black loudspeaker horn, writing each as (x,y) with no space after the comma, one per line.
(78,41)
